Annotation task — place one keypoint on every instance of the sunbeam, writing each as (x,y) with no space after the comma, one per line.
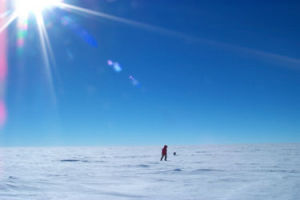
(36,8)
(290,62)
(45,45)
(11,18)
(22,10)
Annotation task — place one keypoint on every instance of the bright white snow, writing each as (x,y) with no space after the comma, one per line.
(213,172)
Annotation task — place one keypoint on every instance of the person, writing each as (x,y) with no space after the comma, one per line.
(164,153)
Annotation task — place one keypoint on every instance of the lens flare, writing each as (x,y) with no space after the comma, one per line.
(21,9)
(2,113)
(133,80)
(115,65)
(109,62)
(22,33)
(78,30)
(3,67)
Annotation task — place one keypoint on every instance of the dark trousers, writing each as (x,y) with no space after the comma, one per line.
(162,156)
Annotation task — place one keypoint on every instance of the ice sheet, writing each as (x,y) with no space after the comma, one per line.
(204,172)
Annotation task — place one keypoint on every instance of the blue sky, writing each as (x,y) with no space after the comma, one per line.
(208,72)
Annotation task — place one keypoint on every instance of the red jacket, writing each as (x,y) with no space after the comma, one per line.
(164,150)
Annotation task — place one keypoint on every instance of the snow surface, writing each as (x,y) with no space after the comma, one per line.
(213,172)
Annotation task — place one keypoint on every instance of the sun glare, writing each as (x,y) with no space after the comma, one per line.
(36,8)
(25,7)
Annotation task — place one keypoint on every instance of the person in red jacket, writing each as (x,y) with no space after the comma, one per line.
(164,153)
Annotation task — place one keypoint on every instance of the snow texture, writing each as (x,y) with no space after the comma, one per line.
(212,172)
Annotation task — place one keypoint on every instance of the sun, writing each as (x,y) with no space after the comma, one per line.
(25,7)
(22,10)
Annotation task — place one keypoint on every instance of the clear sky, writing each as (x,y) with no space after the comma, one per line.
(189,72)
